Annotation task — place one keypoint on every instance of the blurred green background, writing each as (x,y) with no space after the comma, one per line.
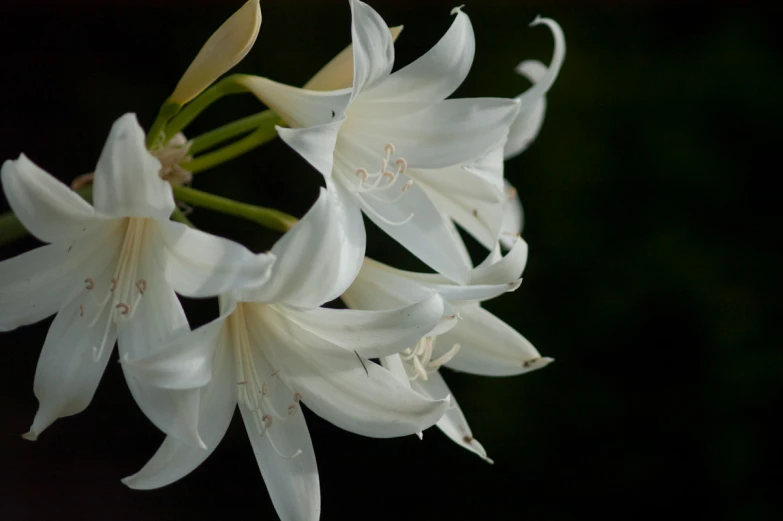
(652,218)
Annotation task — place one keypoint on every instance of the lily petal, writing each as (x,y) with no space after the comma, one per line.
(224,49)
(67,374)
(46,207)
(436,74)
(315,144)
(526,127)
(198,264)
(318,258)
(175,459)
(338,73)
(159,320)
(456,131)
(353,393)
(513,218)
(37,283)
(542,86)
(453,424)
(424,230)
(299,107)
(489,346)
(127,177)
(373,47)
(372,334)
(286,459)
(506,270)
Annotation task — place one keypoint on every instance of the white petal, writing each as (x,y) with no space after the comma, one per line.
(198,264)
(224,49)
(127,177)
(67,375)
(526,127)
(489,346)
(315,144)
(373,47)
(513,218)
(299,108)
(158,320)
(338,73)
(372,334)
(36,284)
(292,481)
(319,257)
(353,393)
(453,424)
(506,270)
(175,459)
(436,74)
(424,230)
(433,134)
(542,86)
(46,207)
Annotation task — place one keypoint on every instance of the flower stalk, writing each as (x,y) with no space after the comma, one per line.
(267,217)
(206,141)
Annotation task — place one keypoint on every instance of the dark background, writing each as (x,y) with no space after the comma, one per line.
(653,223)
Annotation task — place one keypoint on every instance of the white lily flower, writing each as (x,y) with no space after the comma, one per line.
(273,348)
(478,343)
(110,273)
(368,139)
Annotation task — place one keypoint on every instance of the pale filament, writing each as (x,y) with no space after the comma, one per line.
(124,295)
(384,179)
(252,390)
(418,360)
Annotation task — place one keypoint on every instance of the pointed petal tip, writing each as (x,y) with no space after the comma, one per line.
(420,435)
(537,363)
(30,436)
(457,9)
(489,460)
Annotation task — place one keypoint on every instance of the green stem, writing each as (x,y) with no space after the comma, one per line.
(262,135)
(166,112)
(228,85)
(241,126)
(179,216)
(266,217)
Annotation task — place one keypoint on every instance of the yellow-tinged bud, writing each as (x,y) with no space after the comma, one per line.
(224,49)
(338,73)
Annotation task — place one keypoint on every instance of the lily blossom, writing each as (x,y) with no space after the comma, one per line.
(369,139)
(273,348)
(110,273)
(479,342)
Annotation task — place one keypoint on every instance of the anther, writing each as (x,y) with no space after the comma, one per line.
(362,172)
(390,176)
(113,284)
(297,397)
(264,389)
(274,373)
(407,185)
(90,284)
(389,149)
(291,410)
(267,419)
(124,307)
(81,310)
(141,285)
(402,165)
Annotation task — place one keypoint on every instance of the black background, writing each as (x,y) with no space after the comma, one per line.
(653,220)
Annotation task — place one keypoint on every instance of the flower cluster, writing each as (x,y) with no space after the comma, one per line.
(393,146)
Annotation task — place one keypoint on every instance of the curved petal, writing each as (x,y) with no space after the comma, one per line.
(315,144)
(286,459)
(198,264)
(46,207)
(504,271)
(338,73)
(415,222)
(159,320)
(513,218)
(372,334)
(489,346)
(127,177)
(526,127)
(299,108)
(434,134)
(373,47)
(541,87)
(175,459)
(436,74)
(318,258)
(37,283)
(353,393)
(453,424)
(68,370)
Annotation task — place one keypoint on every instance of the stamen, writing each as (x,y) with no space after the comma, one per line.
(89,282)
(81,310)
(297,397)
(362,172)
(389,149)
(402,165)
(124,307)
(141,285)
(445,358)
